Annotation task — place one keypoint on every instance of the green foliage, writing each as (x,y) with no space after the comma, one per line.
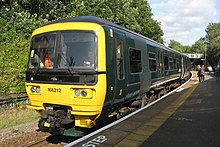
(13,60)
(213,48)
(132,14)
(46,9)
(14,48)
(179,47)
(198,47)
(22,22)
(148,26)
(186,49)
(175,45)
(12,117)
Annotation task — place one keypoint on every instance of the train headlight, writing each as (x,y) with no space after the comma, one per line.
(84,93)
(33,89)
(77,92)
(38,89)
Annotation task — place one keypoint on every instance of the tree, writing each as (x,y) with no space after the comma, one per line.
(198,47)
(45,9)
(179,47)
(213,47)
(132,14)
(135,15)
(186,49)
(149,27)
(16,29)
(175,45)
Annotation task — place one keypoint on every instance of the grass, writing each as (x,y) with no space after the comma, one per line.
(15,116)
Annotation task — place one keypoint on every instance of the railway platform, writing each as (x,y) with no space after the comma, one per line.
(187,117)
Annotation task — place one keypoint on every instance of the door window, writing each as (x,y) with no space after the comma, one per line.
(119,58)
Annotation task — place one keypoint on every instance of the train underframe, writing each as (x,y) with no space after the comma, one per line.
(153,94)
(57,119)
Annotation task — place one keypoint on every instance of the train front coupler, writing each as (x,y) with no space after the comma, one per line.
(55,121)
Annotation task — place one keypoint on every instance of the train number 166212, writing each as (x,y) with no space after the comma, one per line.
(54,90)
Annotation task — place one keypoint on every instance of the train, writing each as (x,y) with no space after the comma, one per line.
(84,71)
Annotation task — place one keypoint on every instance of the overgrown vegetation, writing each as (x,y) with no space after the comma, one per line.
(179,47)
(213,47)
(12,117)
(14,47)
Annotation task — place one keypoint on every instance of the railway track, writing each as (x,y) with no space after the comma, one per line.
(46,141)
(41,142)
(13,100)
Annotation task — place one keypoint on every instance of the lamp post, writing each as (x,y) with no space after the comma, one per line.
(205,42)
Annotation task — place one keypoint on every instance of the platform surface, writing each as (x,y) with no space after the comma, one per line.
(196,123)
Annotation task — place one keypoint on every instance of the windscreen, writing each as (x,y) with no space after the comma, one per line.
(63,50)
(77,50)
(43,51)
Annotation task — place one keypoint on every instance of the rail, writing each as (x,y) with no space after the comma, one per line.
(13,100)
(41,142)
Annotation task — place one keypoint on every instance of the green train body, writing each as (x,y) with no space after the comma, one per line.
(127,71)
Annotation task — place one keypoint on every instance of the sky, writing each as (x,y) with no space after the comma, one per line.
(185,21)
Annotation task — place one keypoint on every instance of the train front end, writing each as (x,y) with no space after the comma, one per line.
(65,78)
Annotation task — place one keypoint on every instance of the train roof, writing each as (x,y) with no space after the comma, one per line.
(100,21)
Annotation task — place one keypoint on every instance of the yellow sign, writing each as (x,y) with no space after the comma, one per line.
(46,124)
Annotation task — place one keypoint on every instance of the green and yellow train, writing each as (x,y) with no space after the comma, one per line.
(84,70)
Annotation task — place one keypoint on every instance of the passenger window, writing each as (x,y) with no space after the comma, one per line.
(166,64)
(119,58)
(135,60)
(152,61)
(171,63)
(178,63)
(174,62)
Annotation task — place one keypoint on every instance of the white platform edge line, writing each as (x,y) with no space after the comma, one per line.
(123,118)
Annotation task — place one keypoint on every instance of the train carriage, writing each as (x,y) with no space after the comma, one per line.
(82,70)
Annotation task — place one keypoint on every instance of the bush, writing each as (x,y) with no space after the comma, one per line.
(13,61)
(14,48)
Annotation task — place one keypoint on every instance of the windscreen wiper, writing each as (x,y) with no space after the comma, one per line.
(37,70)
(70,70)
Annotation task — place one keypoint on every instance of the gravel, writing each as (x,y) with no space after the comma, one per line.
(21,135)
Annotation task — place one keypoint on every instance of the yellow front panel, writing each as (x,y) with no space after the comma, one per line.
(65,96)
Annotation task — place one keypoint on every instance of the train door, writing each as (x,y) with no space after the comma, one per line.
(120,80)
(160,62)
(182,67)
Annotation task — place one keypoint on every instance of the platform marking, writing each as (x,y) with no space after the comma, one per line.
(96,141)
(124,118)
(181,89)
